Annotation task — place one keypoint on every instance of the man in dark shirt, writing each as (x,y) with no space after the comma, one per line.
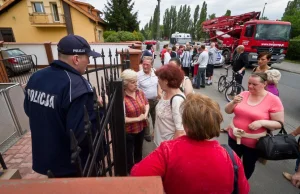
(54,102)
(240,63)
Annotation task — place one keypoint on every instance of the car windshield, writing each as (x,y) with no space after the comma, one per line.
(273,32)
(14,52)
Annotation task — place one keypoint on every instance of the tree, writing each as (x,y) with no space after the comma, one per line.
(154,24)
(195,21)
(203,15)
(228,13)
(173,16)
(292,14)
(167,24)
(120,16)
(212,16)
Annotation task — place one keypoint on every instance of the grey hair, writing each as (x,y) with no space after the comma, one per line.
(128,75)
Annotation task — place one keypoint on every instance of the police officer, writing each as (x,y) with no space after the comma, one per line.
(54,102)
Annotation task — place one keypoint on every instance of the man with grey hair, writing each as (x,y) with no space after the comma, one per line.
(148,83)
(240,63)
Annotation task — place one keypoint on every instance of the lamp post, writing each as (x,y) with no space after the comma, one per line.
(158,25)
(262,15)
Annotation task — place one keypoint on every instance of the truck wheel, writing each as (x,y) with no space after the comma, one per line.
(226,55)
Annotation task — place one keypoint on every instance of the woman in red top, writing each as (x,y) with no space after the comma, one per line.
(195,163)
(136,113)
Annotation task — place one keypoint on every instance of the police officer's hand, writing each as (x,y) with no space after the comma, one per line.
(296,179)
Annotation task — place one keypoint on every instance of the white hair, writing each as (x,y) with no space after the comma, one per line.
(128,75)
(273,75)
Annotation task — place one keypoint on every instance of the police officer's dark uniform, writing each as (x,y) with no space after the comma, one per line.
(54,102)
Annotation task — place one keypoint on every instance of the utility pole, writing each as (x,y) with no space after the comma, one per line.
(262,15)
(158,25)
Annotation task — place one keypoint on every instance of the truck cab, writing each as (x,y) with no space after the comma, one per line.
(265,36)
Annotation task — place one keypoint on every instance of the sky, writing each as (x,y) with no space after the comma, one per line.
(273,10)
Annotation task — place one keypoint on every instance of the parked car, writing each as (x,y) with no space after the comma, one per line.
(153,42)
(16,61)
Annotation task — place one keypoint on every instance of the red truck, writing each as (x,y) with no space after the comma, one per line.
(246,29)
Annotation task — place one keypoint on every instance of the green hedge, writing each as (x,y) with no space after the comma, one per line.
(113,36)
(293,51)
(106,34)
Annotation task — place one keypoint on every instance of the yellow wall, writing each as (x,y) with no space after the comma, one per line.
(82,26)
(17,18)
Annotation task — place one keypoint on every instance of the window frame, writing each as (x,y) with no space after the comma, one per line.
(52,11)
(34,7)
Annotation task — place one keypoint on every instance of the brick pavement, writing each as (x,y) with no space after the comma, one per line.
(19,156)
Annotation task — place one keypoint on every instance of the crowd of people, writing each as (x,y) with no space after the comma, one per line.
(187,157)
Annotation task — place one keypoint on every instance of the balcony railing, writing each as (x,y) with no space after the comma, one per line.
(45,19)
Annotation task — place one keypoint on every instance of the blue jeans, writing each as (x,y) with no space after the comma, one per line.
(200,79)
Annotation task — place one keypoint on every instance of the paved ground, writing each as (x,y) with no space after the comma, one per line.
(266,178)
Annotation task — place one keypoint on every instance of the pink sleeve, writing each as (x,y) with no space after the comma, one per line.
(243,184)
(153,165)
(276,104)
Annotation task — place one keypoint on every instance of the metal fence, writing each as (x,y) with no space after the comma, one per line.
(20,68)
(107,147)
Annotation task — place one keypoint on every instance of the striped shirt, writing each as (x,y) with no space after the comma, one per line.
(134,108)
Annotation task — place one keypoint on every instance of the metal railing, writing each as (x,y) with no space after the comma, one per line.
(46,18)
(20,68)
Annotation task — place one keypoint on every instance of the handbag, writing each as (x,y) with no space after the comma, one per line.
(281,146)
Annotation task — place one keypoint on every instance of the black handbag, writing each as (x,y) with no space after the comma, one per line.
(281,146)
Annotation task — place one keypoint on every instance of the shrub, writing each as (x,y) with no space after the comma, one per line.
(138,36)
(106,34)
(112,38)
(293,51)
(126,36)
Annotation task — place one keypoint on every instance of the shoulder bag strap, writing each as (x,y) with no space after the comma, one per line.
(175,96)
(235,168)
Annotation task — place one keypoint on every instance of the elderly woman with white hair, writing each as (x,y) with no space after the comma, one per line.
(136,113)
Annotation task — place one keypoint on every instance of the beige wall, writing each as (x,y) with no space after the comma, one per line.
(82,26)
(48,9)
(17,18)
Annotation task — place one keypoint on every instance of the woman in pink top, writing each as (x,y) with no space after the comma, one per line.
(255,111)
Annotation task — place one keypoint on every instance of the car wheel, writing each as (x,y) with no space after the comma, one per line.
(226,55)
(9,72)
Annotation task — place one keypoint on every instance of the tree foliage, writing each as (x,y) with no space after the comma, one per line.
(212,16)
(120,16)
(264,18)
(155,23)
(203,15)
(167,24)
(292,14)
(228,13)
(195,21)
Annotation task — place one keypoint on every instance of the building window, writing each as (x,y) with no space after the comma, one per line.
(99,35)
(7,35)
(38,7)
(55,12)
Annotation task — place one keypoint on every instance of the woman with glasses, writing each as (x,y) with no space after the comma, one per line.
(255,111)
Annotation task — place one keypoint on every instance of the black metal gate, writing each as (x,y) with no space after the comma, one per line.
(107,148)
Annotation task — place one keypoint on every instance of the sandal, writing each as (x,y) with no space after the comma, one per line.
(288,176)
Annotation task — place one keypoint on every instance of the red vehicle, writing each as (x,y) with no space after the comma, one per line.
(153,42)
(256,35)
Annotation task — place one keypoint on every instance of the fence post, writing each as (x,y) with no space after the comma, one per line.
(118,133)
(3,74)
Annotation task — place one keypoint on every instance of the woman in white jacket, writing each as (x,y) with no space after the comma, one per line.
(167,56)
